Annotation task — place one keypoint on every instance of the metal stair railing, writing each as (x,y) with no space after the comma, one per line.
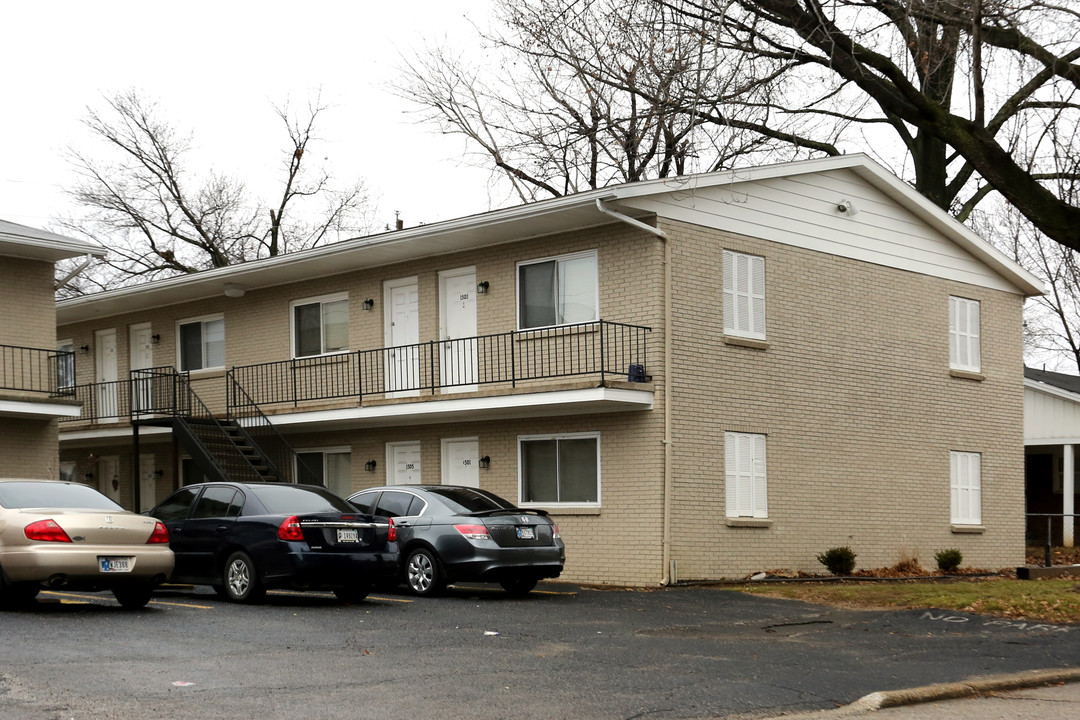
(246,416)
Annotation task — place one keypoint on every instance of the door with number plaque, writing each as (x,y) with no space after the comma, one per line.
(461,462)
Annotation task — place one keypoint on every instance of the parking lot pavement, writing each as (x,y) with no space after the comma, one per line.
(688,652)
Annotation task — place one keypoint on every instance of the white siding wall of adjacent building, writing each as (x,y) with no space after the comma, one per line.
(1051,416)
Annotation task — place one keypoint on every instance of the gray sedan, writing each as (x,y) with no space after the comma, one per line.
(449,533)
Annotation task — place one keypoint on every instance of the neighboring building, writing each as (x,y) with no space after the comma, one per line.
(36,377)
(1051,430)
(698,377)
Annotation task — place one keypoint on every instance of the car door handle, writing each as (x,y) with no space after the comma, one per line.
(221,529)
(401,523)
(176,530)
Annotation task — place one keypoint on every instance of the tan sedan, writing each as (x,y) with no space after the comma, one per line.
(68,535)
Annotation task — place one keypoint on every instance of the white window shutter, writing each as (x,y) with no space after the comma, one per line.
(760,493)
(731,476)
(729,292)
(757,296)
(744,294)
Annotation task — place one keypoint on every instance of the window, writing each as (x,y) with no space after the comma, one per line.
(744,295)
(218,502)
(745,486)
(202,343)
(65,365)
(966,485)
(560,291)
(330,468)
(964,335)
(561,469)
(320,325)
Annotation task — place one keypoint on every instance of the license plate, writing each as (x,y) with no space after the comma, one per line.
(116,564)
(526,533)
(347,535)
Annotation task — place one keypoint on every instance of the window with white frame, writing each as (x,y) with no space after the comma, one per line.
(560,469)
(329,467)
(320,325)
(964,334)
(201,343)
(744,295)
(558,291)
(65,364)
(745,484)
(966,487)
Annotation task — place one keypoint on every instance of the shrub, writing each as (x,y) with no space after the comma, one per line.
(948,560)
(909,563)
(838,560)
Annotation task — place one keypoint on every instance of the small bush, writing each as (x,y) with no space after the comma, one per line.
(838,560)
(948,560)
(909,563)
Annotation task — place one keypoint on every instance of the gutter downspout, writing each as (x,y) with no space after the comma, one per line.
(87,259)
(666,577)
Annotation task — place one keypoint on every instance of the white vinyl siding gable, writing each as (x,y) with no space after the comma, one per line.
(966,488)
(744,295)
(964,334)
(745,482)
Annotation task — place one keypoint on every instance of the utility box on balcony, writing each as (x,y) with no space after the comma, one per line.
(636,373)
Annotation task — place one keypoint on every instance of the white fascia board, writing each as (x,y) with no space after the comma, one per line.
(859,163)
(1055,442)
(22,241)
(118,432)
(1052,390)
(30,409)
(562,402)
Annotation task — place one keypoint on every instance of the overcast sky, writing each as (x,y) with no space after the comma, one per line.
(217,68)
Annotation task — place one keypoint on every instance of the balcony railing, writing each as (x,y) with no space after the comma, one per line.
(601,349)
(37,370)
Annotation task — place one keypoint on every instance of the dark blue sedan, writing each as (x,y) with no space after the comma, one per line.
(243,538)
(448,533)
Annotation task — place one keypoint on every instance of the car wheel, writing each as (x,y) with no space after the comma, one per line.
(134,596)
(352,594)
(241,579)
(16,594)
(423,574)
(518,586)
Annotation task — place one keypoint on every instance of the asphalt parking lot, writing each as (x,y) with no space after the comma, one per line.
(562,652)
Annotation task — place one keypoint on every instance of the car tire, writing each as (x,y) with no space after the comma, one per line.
(16,594)
(518,586)
(241,579)
(133,596)
(423,574)
(353,594)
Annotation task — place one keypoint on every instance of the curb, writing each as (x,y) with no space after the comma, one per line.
(947,691)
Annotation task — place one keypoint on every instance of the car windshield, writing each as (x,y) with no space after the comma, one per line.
(294,500)
(466,500)
(54,495)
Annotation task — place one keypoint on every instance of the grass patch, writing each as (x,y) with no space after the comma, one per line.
(1052,601)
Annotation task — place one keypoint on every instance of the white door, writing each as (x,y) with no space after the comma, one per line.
(142,357)
(457,330)
(109,477)
(108,407)
(403,462)
(461,462)
(147,483)
(401,298)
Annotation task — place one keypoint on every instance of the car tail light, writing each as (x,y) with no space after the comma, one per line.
(290,529)
(391,534)
(555,531)
(473,532)
(160,535)
(46,531)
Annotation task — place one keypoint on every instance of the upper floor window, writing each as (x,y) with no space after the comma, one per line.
(558,291)
(965,487)
(964,335)
(65,364)
(320,325)
(560,469)
(201,343)
(744,295)
(746,487)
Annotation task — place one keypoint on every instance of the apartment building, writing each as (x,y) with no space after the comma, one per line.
(35,377)
(697,377)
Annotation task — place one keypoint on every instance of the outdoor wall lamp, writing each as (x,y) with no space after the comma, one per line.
(84,349)
(155,339)
(482,287)
(88,476)
(159,473)
(485,462)
(369,304)
(370,465)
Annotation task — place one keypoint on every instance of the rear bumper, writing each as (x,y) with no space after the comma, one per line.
(68,565)
(490,564)
(301,567)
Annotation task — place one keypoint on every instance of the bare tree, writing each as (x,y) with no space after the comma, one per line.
(159,219)
(577,96)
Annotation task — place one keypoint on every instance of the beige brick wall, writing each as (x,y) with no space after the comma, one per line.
(26,294)
(28,448)
(859,408)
